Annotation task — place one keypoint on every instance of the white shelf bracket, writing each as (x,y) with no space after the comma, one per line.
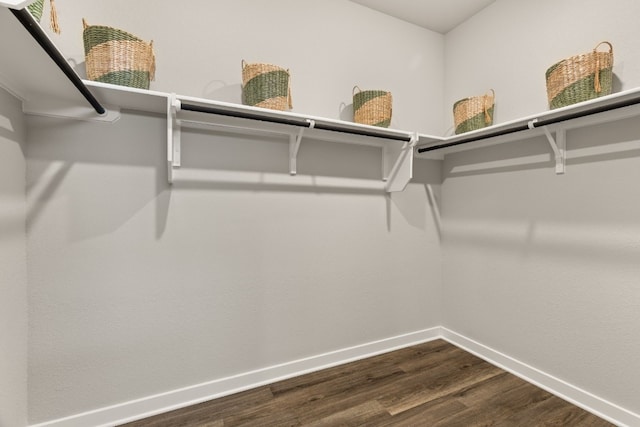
(173,136)
(294,146)
(402,170)
(558,145)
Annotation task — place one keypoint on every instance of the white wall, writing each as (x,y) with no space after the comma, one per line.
(329,46)
(544,268)
(13,265)
(137,288)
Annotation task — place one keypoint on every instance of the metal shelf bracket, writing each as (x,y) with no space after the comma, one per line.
(558,144)
(294,146)
(173,135)
(402,170)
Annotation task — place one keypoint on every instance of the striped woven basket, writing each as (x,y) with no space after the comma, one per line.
(37,7)
(474,112)
(372,107)
(266,86)
(580,78)
(117,57)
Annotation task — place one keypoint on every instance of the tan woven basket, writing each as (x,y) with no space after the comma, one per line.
(266,86)
(372,107)
(473,113)
(580,78)
(117,57)
(37,7)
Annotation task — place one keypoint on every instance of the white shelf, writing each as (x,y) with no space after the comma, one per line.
(216,116)
(27,71)
(397,167)
(115,97)
(600,110)
(15,4)
(33,77)
(397,146)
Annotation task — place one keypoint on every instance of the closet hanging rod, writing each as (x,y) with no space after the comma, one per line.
(36,32)
(535,123)
(302,122)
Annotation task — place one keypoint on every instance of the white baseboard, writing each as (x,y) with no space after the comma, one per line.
(175,399)
(583,399)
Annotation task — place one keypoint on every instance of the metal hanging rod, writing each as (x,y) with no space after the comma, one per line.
(36,32)
(302,122)
(535,123)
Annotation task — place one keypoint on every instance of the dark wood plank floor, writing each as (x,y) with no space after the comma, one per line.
(432,384)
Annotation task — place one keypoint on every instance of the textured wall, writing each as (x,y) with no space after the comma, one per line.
(137,288)
(13,265)
(541,267)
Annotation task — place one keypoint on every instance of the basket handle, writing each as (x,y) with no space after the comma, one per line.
(604,42)
(152,69)
(289,97)
(55,26)
(353,91)
(243,63)
(596,81)
(487,97)
(85,24)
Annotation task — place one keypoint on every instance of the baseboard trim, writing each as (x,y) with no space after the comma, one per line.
(180,398)
(581,398)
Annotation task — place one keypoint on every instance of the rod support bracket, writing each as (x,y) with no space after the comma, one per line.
(558,144)
(173,136)
(397,164)
(294,146)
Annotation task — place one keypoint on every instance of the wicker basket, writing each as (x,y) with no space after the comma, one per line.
(117,57)
(372,107)
(37,7)
(266,86)
(474,112)
(580,78)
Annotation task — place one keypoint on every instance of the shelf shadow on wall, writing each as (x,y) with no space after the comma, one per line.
(228,161)
(591,243)
(596,143)
(106,173)
(50,182)
(419,202)
(528,154)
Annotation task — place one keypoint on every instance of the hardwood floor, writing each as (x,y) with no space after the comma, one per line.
(432,384)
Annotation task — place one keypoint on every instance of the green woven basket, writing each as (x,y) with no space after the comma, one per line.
(117,57)
(580,78)
(36,9)
(473,113)
(372,107)
(266,86)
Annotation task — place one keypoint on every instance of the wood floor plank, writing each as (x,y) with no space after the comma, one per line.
(490,409)
(432,384)
(370,412)
(212,411)
(554,412)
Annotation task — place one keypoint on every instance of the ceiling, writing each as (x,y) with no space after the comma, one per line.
(437,15)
